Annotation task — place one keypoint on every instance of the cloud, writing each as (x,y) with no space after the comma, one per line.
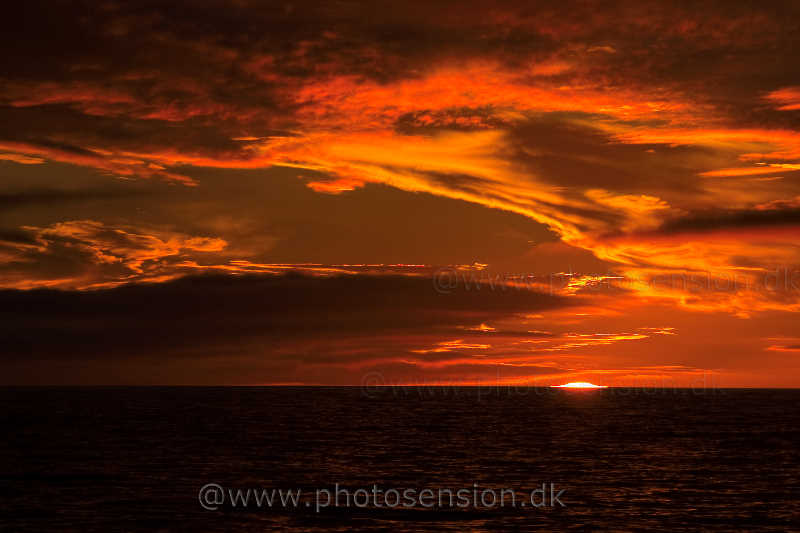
(255,322)
(22,159)
(787,98)
(594,122)
(784,348)
(720,219)
(87,253)
(774,168)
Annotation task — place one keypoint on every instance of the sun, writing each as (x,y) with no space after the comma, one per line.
(579,385)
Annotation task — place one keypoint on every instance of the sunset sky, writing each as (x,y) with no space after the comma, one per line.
(409,192)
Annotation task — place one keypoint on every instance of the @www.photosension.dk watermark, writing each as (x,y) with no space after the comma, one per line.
(213,496)
(773,280)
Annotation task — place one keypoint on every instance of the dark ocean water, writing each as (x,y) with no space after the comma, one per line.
(124,459)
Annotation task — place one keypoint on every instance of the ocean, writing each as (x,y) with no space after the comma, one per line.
(131,459)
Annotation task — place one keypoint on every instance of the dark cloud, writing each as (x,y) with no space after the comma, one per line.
(60,127)
(259,317)
(732,220)
(566,149)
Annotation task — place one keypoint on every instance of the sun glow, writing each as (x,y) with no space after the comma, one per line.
(579,385)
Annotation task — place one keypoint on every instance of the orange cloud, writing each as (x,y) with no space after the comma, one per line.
(22,159)
(117,165)
(774,168)
(83,254)
(787,99)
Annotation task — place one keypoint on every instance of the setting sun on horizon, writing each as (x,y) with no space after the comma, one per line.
(579,385)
